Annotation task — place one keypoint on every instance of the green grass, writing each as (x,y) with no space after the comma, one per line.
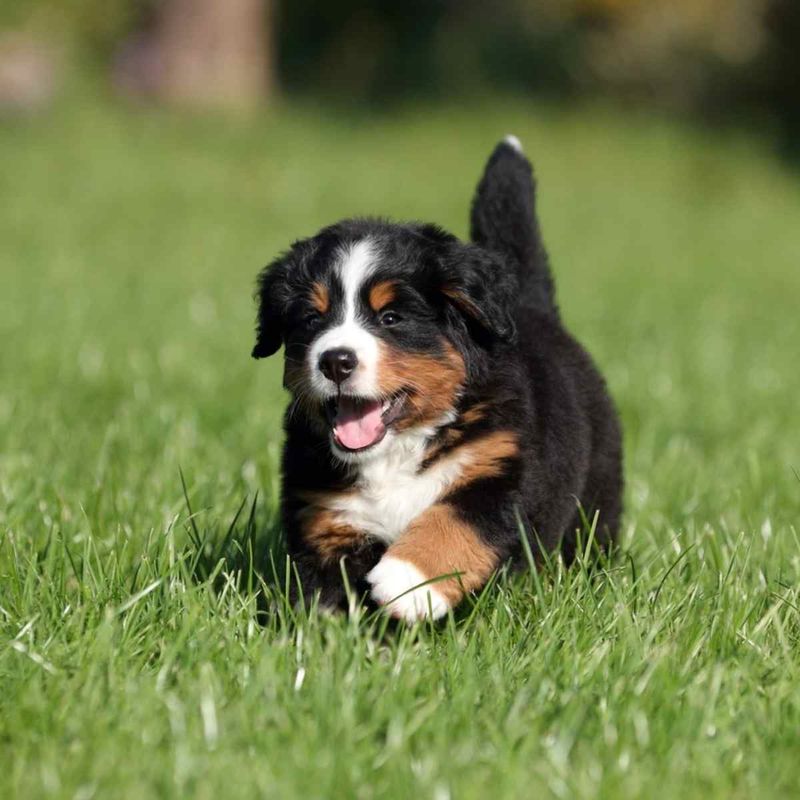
(132,665)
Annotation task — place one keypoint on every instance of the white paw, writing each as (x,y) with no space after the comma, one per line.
(393,577)
(512,141)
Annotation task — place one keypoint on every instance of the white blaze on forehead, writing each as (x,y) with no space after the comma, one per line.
(355,266)
(354,269)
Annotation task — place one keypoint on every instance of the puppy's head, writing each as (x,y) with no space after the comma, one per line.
(381,324)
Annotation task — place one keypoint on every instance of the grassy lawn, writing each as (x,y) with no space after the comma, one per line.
(133,664)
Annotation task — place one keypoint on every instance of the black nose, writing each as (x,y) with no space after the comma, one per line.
(338,364)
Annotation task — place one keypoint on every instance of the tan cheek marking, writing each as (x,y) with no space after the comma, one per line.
(381,294)
(439,543)
(320,298)
(323,530)
(434,380)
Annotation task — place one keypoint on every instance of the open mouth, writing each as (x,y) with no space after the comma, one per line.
(359,423)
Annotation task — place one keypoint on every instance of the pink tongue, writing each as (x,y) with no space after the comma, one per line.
(358,424)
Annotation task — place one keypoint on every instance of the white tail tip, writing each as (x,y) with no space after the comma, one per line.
(512,141)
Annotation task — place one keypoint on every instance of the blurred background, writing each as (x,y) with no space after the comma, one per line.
(715,60)
(155,154)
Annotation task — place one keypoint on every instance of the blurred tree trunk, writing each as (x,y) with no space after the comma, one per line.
(215,52)
(781,77)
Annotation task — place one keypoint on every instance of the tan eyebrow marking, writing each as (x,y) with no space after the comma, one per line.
(381,294)
(320,297)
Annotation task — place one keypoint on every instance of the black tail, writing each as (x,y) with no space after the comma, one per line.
(504,220)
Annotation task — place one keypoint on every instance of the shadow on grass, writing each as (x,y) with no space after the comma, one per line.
(249,551)
(248,548)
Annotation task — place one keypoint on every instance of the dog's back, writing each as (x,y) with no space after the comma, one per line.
(575,425)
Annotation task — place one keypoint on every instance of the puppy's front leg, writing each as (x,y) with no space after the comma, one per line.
(438,543)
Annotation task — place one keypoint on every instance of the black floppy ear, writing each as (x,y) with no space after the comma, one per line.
(271,296)
(482,288)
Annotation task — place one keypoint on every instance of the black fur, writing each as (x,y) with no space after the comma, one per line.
(493,300)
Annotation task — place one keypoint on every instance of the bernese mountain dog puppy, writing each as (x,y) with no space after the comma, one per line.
(440,411)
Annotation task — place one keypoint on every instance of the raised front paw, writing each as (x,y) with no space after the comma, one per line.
(396,586)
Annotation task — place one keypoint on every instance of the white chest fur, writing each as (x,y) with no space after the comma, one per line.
(390,492)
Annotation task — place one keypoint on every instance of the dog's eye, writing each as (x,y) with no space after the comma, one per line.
(312,319)
(389,318)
